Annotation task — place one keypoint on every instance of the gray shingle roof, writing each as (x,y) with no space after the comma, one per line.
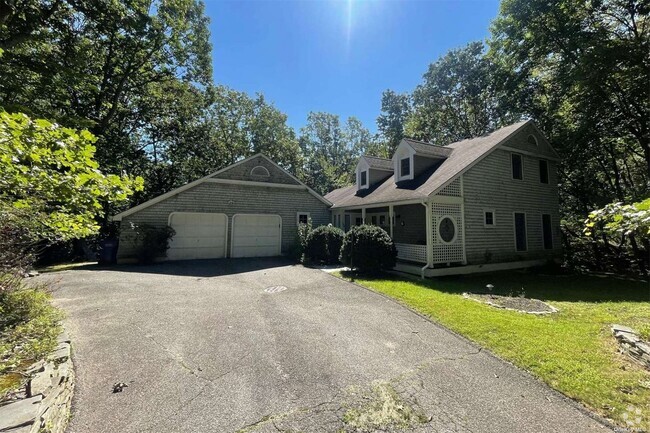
(462,155)
(428,149)
(379,163)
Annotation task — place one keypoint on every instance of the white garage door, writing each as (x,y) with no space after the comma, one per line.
(256,235)
(198,235)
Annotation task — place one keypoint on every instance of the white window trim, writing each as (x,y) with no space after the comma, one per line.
(512,172)
(548,174)
(364,185)
(494,218)
(534,139)
(399,168)
(552,240)
(266,170)
(514,230)
(298,214)
(455,229)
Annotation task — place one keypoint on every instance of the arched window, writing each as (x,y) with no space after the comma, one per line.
(532,140)
(260,171)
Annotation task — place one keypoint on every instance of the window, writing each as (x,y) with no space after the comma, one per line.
(517,166)
(358,221)
(303,217)
(405,167)
(532,140)
(521,243)
(447,230)
(260,171)
(488,218)
(338,221)
(547,232)
(374,220)
(382,220)
(364,178)
(543,171)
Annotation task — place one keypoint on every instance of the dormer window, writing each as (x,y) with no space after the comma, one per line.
(363,179)
(405,167)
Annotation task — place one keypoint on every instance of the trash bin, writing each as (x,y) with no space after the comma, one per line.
(107,254)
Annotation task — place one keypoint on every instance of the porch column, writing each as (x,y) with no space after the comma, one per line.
(390,219)
(429,232)
(363,215)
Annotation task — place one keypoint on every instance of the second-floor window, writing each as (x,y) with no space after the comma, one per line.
(405,167)
(517,166)
(543,171)
(364,178)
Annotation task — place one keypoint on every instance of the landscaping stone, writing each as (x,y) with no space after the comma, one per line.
(515,303)
(50,389)
(20,413)
(631,344)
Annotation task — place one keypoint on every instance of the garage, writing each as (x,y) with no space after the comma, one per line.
(256,235)
(198,235)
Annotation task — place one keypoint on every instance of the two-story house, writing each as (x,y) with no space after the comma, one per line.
(490,201)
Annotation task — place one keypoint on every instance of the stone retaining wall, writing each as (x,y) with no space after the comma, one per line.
(45,407)
(631,344)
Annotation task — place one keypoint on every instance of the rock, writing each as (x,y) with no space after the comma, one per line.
(23,429)
(41,382)
(36,367)
(63,338)
(621,328)
(20,413)
(32,273)
(62,353)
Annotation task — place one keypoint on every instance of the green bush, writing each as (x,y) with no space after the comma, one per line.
(151,242)
(368,249)
(300,242)
(324,245)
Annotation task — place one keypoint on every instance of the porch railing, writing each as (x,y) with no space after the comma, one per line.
(411,252)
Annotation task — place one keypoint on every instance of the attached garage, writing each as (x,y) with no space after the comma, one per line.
(256,235)
(248,209)
(198,235)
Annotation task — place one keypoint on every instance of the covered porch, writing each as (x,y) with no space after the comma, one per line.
(426,234)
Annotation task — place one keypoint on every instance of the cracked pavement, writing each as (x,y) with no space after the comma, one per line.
(205,349)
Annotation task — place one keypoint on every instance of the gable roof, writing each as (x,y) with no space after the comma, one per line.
(377,163)
(462,155)
(197,182)
(428,149)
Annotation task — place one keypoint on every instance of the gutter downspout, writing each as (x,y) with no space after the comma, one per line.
(428,232)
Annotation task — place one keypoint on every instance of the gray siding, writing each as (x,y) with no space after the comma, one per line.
(414,230)
(377,175)
(243,172)
(231,199)
(489,186)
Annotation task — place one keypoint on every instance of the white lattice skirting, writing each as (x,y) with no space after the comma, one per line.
(412,252)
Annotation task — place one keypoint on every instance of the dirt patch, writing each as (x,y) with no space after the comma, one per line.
(516,303)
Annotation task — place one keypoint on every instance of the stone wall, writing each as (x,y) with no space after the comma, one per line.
(45,403)
(631,344)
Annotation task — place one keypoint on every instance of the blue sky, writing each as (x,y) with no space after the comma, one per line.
(337,56)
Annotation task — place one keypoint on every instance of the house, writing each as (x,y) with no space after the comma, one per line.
(485,203)
(249,209)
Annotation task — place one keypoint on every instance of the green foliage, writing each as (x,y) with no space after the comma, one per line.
(324,245)
(29,326)
(368,249)
(49,176)
(301,240)
(395,111)
(151,242)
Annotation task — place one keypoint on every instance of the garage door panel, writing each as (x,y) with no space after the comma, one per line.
(256,235)
(198,235)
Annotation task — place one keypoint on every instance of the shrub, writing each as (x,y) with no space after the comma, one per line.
(324,244)
(369,249)
(151,242)
(301,240)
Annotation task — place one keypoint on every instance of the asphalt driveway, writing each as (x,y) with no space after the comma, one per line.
(204,348)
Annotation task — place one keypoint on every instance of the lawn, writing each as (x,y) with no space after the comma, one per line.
(573,350)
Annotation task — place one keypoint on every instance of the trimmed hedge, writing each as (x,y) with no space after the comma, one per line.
(369,249)
(323,245)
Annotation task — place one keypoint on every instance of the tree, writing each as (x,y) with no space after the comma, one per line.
(98,65)
(395,111)
(458,98)
(48,174)
(331,150)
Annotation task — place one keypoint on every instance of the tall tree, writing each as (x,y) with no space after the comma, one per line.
(458,98)
(395,111)
(582,70)
(87,63)
(331,150)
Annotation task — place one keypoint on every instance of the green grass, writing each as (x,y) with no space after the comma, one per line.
(29,327)
(573,350)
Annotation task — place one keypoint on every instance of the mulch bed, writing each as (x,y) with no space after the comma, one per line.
(524,305)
